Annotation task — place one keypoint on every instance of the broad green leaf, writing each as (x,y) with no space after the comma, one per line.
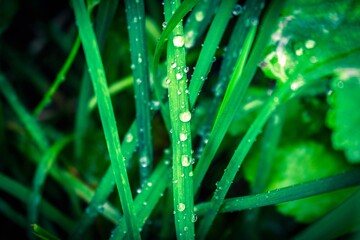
(344,115)
(312,34)
(298,163)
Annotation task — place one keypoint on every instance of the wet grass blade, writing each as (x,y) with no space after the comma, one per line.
(22,193)
(135,14)
(180,117)
(60,78)
(25,117)
(40,176)
(98,78)
(286,194)
(207,54)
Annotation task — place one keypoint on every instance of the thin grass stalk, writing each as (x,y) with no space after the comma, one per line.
(60,78)
(98,78)
(135,14)
(180,117)
(286,194)
(40,176)
(207,54)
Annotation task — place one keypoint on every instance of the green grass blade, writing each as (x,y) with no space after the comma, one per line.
(207,53)
(178,15)
(135,14)
(97,74)
(60,78)
(180,117)
(198,21)
(148,197)
(281,195)
(115,88)
(41,233)
(22,193)
(333,224)
(41,173)
(26,118)
(234,101)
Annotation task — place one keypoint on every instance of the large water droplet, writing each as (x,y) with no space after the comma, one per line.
(310,44)
(144,161)
(179,76)
(181,207)
(185,160)
(185,116)
(178,41)
(199,16)
(238,9)
(183,137)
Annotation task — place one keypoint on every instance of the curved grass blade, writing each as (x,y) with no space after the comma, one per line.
(332,225)
(180,12)
(234,101)
(198,21)
(213,37)
(97,74)
(60,78)
(22,193)
(180,117)
(41,173)
(281,195)
(135,14)
(26,118)
(42,233)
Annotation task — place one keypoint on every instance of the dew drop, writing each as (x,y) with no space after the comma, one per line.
(138,81)
(132,66)
(164,24)
(185,160)
(173,65)
(310,44)
(181,207)
(129,137)
(185,116)
(186,69)
(194,218)
(178,41)
(183,137)
(179,76)
(238,9)
(299,52)
(144,161)
(199,16)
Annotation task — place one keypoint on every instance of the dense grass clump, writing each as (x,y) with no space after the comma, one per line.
(180,119)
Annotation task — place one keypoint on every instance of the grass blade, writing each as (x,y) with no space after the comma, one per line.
(97,74)
(40,177)
(180,117)
(281,195)
(207,53)
(42,233)
(135,14)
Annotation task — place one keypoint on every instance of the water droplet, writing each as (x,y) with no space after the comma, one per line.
(191,174)
(138,190)
(149,184)
(340,84)
(185,160)
(178,41)
(186,69)
(238,9)
(199,16)
(183,137)
(132,66)
(129,137)
(194,218)
(185,229)
(144,161)
(299,51)
(144,203)
(100,208)
(185,116)
(181,207)
(138,81)
(310,44)
(164,24)
(179,76)
(173,65)
(139,60)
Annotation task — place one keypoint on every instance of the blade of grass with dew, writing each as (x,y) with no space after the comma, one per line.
(180,117)
(286,194)
(12,214)
(41,233)
(135,14)
(29,122)
(178,15)
(22,193)
(106,13)
(332,226)
(115,88)
(41,173)
(237,39)
(148,196)
(198,20)
(96,69)
(234,101)
(60,78)
(207,54)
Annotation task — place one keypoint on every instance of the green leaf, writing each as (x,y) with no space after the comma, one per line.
(296,163)
(311,34)
(344,117)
